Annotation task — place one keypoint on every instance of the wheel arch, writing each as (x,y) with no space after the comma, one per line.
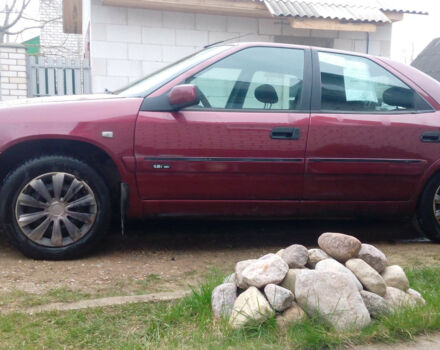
(22,150)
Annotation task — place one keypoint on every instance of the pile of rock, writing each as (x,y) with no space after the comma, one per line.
(345,283)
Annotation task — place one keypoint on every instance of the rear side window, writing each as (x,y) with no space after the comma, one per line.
(357,84)
(258,78)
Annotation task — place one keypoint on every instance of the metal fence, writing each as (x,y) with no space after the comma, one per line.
(49,76)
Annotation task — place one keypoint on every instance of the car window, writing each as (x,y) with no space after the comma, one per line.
(264,78)
(352,83)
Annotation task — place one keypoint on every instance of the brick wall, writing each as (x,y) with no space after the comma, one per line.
(54,42)
(128,43)
(12,72)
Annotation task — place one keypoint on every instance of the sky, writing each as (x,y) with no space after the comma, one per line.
(415,32)
(410,36)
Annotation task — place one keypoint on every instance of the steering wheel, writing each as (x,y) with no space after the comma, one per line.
(203,99)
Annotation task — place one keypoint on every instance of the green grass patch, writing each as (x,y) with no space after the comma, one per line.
(188,324)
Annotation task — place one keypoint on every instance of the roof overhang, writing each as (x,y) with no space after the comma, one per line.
(345,15)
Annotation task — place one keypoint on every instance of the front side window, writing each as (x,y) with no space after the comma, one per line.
(352,83)
(259,78)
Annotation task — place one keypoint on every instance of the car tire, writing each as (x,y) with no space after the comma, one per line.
(428,205)
(54,207)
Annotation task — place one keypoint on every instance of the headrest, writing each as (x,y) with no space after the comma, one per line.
(266,94)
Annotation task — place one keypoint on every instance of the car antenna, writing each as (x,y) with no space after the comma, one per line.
(223,41)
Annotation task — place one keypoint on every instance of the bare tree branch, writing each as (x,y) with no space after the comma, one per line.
(19,15)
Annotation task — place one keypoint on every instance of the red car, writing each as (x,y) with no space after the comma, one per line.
(259,130)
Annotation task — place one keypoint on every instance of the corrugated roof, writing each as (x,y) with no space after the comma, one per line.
(350,10)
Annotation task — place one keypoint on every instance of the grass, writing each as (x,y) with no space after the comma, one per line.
(187,324)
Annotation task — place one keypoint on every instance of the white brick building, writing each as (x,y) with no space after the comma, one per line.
(128,42)
(54,42)
(12,72)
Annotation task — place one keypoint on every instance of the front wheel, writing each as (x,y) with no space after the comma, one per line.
(428,212)
(55,207)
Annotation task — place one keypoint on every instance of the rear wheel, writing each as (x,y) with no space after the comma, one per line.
(428,213)
(55,207)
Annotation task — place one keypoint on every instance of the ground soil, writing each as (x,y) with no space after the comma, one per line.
(161,256)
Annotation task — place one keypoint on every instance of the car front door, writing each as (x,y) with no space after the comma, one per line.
(245,140)
(365,133)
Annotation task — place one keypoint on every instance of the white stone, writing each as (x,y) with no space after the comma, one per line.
(279,298)
(331,265)
(268,269)
(239,268)
(397,298)
(230,278)
(368,276)
(394,276)
(250,306)
(290,279)
(333,296)
(416,296)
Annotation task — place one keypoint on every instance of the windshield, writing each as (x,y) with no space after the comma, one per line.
(150,83)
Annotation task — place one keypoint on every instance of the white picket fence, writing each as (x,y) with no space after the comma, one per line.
(49,76)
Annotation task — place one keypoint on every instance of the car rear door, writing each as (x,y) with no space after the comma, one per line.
(365,132)
(245,140)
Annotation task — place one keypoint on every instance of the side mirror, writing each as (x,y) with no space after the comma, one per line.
(182,96)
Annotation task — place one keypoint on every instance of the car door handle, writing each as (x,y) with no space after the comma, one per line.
(283,133)
(430,136)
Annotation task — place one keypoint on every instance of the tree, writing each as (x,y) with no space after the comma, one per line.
(14,20)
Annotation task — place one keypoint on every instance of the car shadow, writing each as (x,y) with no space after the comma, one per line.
(212,235)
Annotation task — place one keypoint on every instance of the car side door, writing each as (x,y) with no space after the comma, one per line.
(245,140)
(365,132)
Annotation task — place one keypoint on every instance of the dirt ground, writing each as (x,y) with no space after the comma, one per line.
(168,255)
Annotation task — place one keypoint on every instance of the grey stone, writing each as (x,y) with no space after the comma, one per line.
(339,246)
(373,257)
(239,268)
(279,298)
(295,256)
(368,276)
(331,265)
(333,296)
(315,256)
(250,306)
(268,269)
(291,316)
(376,305)
(394,276)
(222,299)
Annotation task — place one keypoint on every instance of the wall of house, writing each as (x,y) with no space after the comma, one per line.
(128,43)
(12,72)
(54,42)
